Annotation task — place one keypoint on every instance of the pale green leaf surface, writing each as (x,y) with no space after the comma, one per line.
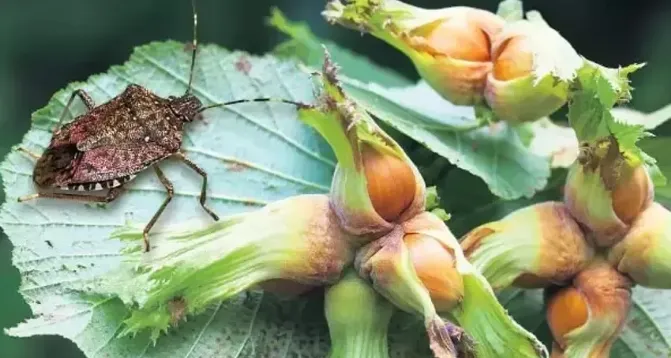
(308,48)
(253,153)
(495,154)
(558,142)
(647,333)
(510,10)
(650,120)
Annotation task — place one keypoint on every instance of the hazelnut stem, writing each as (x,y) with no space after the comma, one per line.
(358,319)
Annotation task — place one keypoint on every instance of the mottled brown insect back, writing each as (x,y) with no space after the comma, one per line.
(114,140)
(95,155)
(91,158)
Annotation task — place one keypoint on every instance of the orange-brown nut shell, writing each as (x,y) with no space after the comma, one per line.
(391,182)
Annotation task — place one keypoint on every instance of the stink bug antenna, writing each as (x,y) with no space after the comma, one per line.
(265,99)
(194,44)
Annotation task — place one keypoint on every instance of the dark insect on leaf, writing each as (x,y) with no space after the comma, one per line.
(93,157)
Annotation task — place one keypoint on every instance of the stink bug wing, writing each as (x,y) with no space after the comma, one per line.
(116,139)
(129,120)
(85,125)
(107,163)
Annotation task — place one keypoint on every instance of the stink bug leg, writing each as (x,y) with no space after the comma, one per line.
(110,196)
(171,192)
(203,190)
(88,102)
(28,152)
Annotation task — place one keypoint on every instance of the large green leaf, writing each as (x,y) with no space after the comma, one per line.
(497,155)
(305,46)
(254,154)
(647,333)
(475,206)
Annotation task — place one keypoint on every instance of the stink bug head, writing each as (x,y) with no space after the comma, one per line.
(185,107)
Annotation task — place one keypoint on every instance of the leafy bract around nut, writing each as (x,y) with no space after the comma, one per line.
(450,47)
(607,295)
(297,239)
(595,92)
(531,247)
(375,183)
(388,262)
(612,180)
(608,194)
(644,254)
(533,66)
(553,56)
(522,68)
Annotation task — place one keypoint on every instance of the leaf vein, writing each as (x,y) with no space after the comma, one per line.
(202,331)
(259,168)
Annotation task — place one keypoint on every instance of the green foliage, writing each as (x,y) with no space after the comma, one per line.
(304,45)
(597,90)
(495,154)
(511,10)
(59,245)
(259,153)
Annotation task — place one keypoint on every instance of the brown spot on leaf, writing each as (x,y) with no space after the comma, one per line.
(188,47)
(237,167)
(177,307)
(243,65)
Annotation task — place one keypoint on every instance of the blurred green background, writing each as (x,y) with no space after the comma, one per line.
(46,44)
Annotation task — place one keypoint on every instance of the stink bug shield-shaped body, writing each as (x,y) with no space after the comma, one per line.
(94,156)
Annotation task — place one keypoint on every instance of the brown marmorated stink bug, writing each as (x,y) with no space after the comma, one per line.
(93,157)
